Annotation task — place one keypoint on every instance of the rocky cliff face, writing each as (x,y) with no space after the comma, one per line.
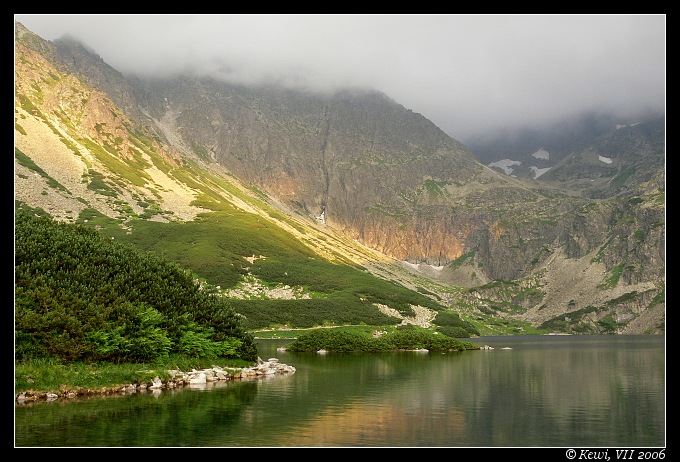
(363,165)
(356,161)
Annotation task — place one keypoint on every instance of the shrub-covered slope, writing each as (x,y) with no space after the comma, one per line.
(82,297)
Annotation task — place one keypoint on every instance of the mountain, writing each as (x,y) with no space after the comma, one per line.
(537,153)
(559,138)
(355,176)
(615,162)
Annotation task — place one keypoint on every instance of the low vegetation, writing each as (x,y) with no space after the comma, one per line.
(81,297)
(92,310)
(412,338)
(38,376)
(224,247)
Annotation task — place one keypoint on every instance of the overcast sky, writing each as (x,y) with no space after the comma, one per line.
(466,73)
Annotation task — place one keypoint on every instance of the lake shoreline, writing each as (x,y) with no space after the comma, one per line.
(178,380)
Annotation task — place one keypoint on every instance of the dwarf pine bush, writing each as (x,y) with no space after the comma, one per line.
(81,297)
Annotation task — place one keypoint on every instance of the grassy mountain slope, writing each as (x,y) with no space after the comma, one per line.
(81,160)
(164,182)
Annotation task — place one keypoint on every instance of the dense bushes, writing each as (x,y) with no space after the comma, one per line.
(453,331)
(451,325)
(405,339)
(335,340)
(410,339)
(343,309)
(79,296)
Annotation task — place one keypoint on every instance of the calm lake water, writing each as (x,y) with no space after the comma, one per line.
(546,391)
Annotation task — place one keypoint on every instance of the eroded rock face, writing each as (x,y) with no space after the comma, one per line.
(390,179)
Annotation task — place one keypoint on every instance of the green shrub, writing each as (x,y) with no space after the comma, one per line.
(82,297)
(449,323)
(404,339)
(196,342)
(453,331)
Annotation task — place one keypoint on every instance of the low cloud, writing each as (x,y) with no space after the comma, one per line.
(469,74)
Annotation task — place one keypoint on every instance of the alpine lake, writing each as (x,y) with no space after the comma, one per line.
(527,391)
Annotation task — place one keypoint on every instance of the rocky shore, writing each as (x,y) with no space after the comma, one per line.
(178,379)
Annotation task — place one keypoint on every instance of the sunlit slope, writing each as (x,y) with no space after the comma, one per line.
(517,256)
(79,158)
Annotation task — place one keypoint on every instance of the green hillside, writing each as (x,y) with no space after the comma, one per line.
(82,297)
(93,310)
(83,294)
(213,247)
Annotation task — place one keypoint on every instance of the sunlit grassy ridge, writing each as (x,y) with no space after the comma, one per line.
(217,246)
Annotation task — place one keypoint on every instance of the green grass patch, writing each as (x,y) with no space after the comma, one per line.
(51,375)
(613,278)
(622,176)
(462,260)
(115,165)
(95,182)
(285,332)
(200,151)
(658,298)
(571,322)
(214,247)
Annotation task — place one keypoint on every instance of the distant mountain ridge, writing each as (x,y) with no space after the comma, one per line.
(532,153)
(615,162)
(359,164)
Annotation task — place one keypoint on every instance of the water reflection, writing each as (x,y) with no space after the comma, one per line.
(542,392)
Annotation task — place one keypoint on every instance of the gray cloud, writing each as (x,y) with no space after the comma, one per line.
(469,74)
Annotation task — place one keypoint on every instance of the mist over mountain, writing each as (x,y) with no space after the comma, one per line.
(581,248)
(532,151)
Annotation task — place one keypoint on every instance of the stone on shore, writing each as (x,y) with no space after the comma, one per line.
(178,378)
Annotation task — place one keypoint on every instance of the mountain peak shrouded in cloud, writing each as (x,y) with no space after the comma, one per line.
(469,74)
(327,172)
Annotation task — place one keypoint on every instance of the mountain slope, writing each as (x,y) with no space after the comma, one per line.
(357,177)
(615,162)
(532,152)
(78,157)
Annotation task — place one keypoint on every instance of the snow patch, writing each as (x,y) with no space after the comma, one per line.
(506,165)
(539,171)
(541,154)
(419,267)
(411,265)
(606,160)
